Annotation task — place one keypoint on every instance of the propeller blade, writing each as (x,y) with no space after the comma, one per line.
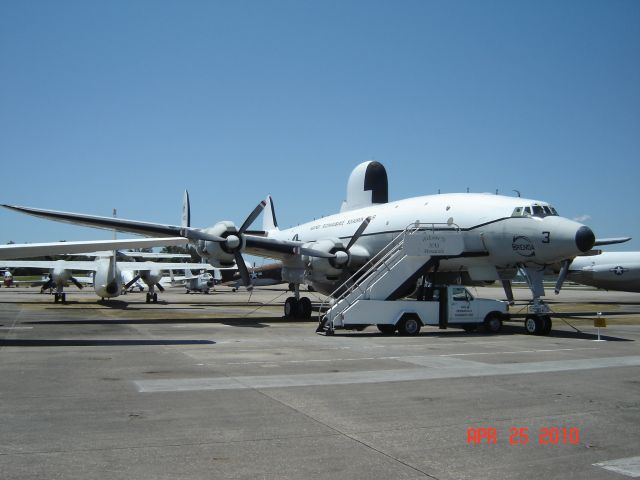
(508,291)
(160,287)
(359,232)
(47,285)
(252,217)
(195,234)
(564,270)
(135,279)
(244,272)
(76,283)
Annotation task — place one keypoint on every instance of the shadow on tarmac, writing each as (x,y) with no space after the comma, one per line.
(98,343)
(506,330)
(254,322)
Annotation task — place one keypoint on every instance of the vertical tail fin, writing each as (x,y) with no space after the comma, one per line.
(186,210)
(269,221)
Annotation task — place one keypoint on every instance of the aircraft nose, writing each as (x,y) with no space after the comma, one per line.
(585,239)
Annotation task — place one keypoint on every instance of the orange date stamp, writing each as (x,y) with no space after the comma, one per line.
(523,436)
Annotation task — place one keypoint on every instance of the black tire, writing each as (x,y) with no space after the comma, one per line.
(148,298)
(290,307)
(533,325)
(409,324)
(304,308)
(386,328)
(63,297)
(56,299)
(492,323)
(155,298)
(546,329)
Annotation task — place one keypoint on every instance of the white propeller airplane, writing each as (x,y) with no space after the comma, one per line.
(500,234)
(108,274)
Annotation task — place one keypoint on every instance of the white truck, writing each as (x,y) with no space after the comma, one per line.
(443,306)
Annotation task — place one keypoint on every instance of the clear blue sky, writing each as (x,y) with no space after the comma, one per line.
(125,104)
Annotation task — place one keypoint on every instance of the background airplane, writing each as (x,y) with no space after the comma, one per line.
(608,270)
(107,274)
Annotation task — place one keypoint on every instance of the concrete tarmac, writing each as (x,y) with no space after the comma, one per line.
(220,386)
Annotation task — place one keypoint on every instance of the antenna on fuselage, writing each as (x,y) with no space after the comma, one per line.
(517,192)
(115,214)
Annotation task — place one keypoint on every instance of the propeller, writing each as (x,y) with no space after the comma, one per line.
(160,287)
(564,270)
(76,283)
(342,256)
(47,285)
(134,280)
(508,291)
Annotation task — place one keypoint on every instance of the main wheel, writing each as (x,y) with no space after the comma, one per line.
(63,297)
(386,328)
(546,329)
(304,308)
(148,298)
(409,324)
(56,299)
(155,298)
(492,323)
(533,325)
(290,307)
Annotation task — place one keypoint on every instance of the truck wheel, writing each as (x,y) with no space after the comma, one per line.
(409,324)
(386,328)
(492,323)
(533,325)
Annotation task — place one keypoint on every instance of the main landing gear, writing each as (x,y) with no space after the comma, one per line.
(152,297)
(60,297)
(297,307)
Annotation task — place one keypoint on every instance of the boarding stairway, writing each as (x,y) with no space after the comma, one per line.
(391,274)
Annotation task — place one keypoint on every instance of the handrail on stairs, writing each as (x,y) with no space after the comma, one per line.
(379,259)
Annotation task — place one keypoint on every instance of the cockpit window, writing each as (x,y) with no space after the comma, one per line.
(538,211)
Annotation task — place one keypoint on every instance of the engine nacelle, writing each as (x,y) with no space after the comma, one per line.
(331,268)
(220,254)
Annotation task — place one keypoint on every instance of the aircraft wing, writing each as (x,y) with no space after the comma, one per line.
(129,254)
(26,250)
(163,266)
(49,264)
(257,245)
(108,223)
